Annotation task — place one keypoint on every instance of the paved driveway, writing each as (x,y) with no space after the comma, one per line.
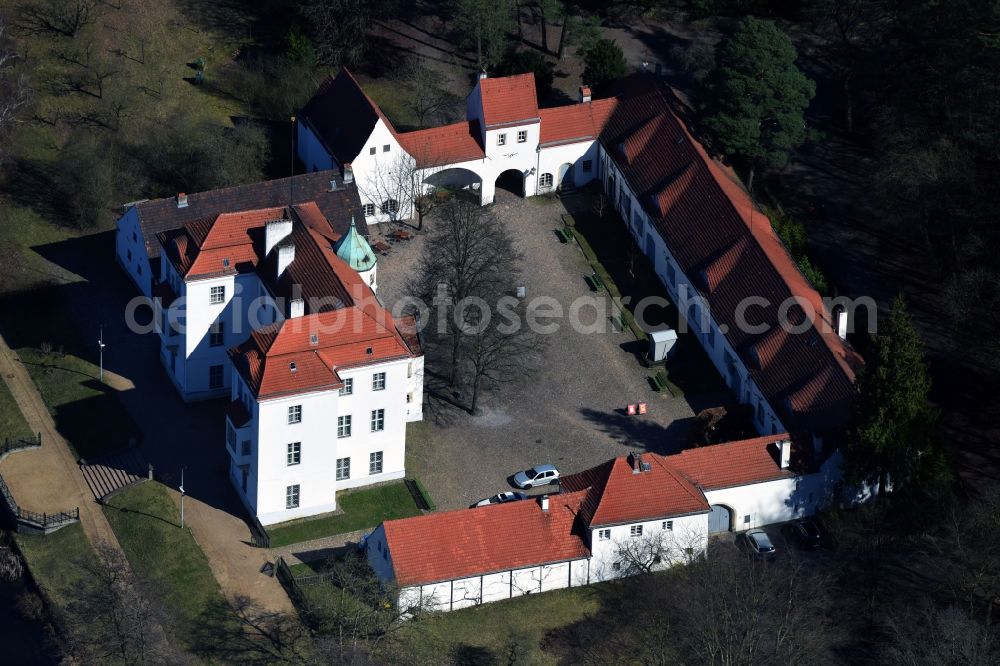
(570,412)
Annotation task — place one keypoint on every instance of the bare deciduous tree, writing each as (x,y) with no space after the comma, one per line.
(11,567)
(469,254)
(62,17)
(658,550)
(393,187)
(15,93)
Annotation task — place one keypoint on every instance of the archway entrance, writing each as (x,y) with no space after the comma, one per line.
(720,520)
(455,178)
(511,180)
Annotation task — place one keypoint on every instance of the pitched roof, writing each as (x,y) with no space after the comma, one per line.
(499,537)
(448,144)
(741,463)
(303,354)
(713,228)
(577,122)
(509,99)
(616,493)
(343,116)
(337,206)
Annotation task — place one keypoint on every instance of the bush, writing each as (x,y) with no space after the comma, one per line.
(604,62)
(793,235)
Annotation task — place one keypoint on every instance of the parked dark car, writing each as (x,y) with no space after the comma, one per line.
(757,544)
(805,534)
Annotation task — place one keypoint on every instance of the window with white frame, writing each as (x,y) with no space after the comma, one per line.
(217,295)
(522,136)
(502,139)
(668,525)
(292,497)
(348,387)
(635,531)
(375,462)
(378,381)
(369,209)
(343,469)
(215,373)
(217,334)
(588,166)
(545,180)
(378,420)
(294,454)
(294,414)
(344,426)
(604,535)
(390,206)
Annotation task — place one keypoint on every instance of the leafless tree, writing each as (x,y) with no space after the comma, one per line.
(392,187)
(930,635)
(469,254)
(361,612)
(15,93)
(11,567)
(62,17)
(658,549)
(427,100)
(125,627)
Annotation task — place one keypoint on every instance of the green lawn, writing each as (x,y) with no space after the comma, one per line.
(12,423)
(145,520)
(57,562)
(489,631)
(361,509)
(87,413)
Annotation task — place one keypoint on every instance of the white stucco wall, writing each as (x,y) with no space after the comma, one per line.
(551,159)
(685,532)
(130,249)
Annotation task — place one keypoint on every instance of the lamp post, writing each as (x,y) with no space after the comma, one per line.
(100,345)
(182,497)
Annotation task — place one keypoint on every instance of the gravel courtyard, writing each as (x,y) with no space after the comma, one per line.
(570,412)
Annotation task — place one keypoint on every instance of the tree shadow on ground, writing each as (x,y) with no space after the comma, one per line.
(639,432)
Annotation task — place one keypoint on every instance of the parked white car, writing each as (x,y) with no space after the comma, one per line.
(539,475)
(502,498)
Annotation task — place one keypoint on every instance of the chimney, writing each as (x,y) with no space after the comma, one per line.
(585,95)
(636,461)
(785,452)
(482,75)
(348,173)
(182,200)
(296,308)
(274,232)
(840,321)
(286,255)
(545,502)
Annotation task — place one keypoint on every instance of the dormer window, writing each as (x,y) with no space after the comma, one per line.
(314,339)
(292,366)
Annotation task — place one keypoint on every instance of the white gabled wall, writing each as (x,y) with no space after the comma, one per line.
(684,532)
(553,158)
(130,249)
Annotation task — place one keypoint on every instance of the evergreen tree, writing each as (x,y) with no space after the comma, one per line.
(893,440)
(757,97)
(604,62)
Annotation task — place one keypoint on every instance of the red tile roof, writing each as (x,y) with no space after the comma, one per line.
(448,144)
(714,230)
(343,116)
(617,494)
(471,542)
(303,354)
(739,463)
(577,122)
(509,99)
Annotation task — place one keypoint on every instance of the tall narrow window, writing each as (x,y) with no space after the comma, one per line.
(217,334)
(294,455)
(292,497)
(295,414)
(348,387)
(378,381)
(378,420)
(343,469)
(522,136)
(344,426)
(217,295)
(215,376)
(501,139)
(375,462)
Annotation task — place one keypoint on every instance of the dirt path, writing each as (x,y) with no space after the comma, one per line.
(47,479)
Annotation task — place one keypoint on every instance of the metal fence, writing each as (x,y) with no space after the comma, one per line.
(32,521)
